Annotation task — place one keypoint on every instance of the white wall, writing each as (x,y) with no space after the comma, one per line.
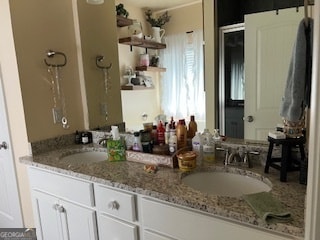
(136,103)
(16,119)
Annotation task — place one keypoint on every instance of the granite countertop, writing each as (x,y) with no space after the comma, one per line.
(166,185)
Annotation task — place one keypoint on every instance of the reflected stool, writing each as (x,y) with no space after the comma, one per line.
(285,163)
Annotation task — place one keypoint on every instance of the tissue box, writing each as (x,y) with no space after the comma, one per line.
(116,150)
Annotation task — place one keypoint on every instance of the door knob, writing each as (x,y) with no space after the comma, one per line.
(248,119)
(3,145)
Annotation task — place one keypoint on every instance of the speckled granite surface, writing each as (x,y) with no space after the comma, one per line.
(166,185)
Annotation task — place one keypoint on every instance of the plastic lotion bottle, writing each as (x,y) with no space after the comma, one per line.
(208,146)
(172,141)
(197,145)
(167,134)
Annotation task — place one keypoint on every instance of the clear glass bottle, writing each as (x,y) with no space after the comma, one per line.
(206,136)
(208,146)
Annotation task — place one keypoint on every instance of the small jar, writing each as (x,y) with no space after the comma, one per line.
(84,138)
(187,160)
(144,60)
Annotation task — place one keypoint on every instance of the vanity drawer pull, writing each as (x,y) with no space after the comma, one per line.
(114,205)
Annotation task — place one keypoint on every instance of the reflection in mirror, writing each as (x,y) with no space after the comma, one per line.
(141,106)
(266,64)
(231,80)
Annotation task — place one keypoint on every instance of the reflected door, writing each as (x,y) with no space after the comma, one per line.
(231,80)
(269,39)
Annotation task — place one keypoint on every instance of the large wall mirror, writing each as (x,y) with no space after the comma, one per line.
(255,50)
(233,12)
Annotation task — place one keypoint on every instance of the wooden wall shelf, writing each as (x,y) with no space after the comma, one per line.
(135,87)
(139,42)
(150,69)
(123,22)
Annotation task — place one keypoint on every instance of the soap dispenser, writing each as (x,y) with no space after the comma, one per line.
(137,146)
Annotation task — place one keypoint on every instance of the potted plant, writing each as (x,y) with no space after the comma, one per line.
(157,23)
(121,11)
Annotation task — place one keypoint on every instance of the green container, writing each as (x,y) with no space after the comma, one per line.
(116,150)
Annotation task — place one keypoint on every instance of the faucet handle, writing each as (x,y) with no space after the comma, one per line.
(254,152)
(226,158)
(247,160)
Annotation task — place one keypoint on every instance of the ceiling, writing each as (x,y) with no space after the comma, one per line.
(160,4)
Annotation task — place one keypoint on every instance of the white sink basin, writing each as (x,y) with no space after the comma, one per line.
(225,183)
(86,157)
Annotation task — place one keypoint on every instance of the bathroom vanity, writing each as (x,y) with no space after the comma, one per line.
(119,200)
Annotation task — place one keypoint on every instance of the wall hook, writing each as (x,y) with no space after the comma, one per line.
(99,60)
(51,54)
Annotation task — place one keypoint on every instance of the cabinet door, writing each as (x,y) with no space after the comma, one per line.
(62,220)
(112,228)
(47,218)
(79,222)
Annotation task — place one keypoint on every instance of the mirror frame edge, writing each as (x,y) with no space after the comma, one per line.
(209,23)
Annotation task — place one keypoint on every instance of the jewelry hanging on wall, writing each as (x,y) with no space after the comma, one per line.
(107,85)
(59,109)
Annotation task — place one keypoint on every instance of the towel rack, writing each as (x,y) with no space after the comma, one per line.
(306,17)
(99,59)
(51,54)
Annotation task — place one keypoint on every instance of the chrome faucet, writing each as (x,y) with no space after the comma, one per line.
(103,141)
(234,158)
(241,158)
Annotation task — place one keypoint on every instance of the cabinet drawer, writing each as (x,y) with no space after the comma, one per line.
(148,235)
(62,186)
(115,203)
(111,228)
(180,223)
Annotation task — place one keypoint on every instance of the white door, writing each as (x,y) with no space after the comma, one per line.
(10,210)
(269,39)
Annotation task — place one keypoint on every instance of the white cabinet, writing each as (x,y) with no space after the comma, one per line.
(117,217)
(174,222)
(68,208)
(63,216)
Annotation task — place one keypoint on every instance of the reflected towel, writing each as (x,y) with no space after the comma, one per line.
(297,91)
(267,207)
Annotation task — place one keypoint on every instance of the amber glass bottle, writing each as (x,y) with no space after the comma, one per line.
(193,128)
(181,131)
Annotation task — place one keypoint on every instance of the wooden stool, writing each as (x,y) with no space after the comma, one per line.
(286,162)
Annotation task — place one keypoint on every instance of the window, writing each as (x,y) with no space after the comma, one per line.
(183,82)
